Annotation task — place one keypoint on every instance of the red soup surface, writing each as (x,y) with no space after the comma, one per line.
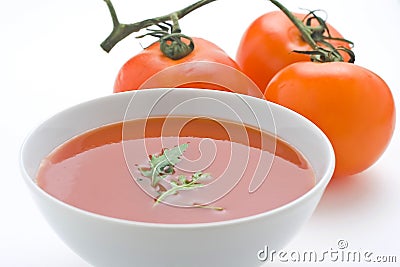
(176,170)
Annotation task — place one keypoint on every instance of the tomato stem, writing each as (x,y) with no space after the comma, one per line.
(314,35)
(120,30)
(175,26)
(304,30)
(173,45)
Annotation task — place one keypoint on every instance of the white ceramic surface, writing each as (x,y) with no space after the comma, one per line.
(104,241)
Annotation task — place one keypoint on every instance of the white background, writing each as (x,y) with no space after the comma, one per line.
(50,59)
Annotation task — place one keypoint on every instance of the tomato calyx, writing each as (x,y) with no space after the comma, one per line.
(173,43)
(174,47)
(316,36)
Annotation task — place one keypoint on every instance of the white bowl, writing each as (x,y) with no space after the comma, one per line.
(105,241)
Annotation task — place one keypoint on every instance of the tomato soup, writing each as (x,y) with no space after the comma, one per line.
(176,170)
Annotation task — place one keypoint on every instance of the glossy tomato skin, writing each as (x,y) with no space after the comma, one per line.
(150,61)
(353,106)
(268,44)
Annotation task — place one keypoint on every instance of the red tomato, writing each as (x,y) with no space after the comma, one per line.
(352,105)
(151,61)
(268,44)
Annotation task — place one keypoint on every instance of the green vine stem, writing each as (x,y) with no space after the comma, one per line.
(313,35)
(120,30)
(305,31)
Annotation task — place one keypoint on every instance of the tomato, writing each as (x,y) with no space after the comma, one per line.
(353,106)
(268,44)
(151,61)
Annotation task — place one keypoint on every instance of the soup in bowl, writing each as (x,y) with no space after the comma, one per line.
(176,177)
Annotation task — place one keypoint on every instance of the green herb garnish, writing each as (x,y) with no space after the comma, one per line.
(183,183)
(163,165)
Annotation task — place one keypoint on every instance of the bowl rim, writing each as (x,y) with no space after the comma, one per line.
(319,186)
